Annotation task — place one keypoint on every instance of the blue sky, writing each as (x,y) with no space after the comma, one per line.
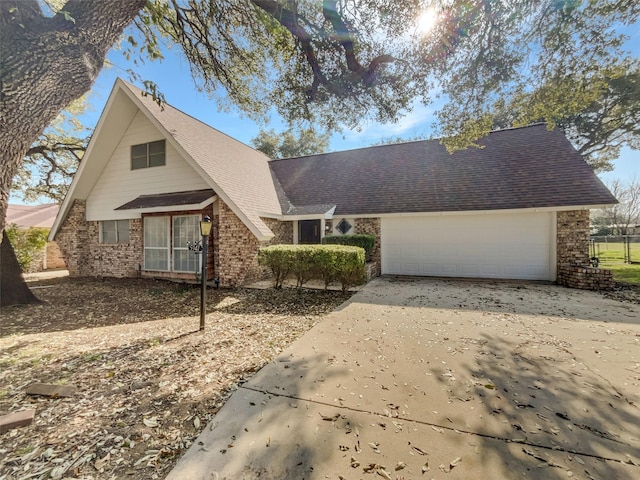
(174,80)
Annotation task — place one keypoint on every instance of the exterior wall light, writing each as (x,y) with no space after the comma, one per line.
(205,231)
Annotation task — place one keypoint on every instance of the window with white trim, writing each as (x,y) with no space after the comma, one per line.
(114,231)
(146,155)
(186,228)
(156,243)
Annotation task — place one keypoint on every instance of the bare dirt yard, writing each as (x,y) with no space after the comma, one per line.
(148,381)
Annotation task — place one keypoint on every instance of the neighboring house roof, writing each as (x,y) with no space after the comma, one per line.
(529,167)
(26,216)
(237,173)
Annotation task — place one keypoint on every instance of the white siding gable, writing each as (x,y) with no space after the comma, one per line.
(118,184)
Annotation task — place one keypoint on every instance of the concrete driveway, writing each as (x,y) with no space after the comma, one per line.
(431,378)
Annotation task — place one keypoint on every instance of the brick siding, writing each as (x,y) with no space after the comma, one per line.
(585,278)
(72,239)
(573,237)
(238,248)
(79,242)
(573,269)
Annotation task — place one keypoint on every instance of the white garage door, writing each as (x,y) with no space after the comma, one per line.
(515,246)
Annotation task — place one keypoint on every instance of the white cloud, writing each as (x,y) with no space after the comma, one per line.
(415,123)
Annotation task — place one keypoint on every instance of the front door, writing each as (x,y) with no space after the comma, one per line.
(309,231)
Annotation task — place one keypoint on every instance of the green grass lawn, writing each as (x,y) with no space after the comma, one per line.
(624,272)
(611,257)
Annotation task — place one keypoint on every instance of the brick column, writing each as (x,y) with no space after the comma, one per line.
(573,268)
(573,237)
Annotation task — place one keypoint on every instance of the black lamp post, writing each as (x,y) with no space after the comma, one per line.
(205,231)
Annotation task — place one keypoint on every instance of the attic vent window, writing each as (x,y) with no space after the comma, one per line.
(344,226)
(147,155)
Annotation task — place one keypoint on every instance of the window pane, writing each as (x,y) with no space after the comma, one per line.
(123,231)
(109,231)
(185,229)
(138,162)
(185,261)
(139,150)
(156,160)
(156,243)
(155,259)
(156,232)
(156,147)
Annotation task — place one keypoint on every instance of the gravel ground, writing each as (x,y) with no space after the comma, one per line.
(148,381)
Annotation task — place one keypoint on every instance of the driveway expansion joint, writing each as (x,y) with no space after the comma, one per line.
(444,427)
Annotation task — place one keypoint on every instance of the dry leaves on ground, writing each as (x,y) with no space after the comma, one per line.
(148,381)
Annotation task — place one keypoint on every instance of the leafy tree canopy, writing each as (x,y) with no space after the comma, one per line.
(290,143)
(54,157)
(339,63)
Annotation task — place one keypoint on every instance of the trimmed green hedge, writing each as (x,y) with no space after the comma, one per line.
(341,263)
(358,240)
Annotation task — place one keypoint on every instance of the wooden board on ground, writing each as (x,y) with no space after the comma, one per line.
(48,390)
(17,419)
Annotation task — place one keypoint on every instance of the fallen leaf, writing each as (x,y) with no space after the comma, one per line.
(151,422)
(383,473)
(102,462)
(331,418)
(400,466)
(419,450)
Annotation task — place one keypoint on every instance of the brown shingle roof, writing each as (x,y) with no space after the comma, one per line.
(529,167)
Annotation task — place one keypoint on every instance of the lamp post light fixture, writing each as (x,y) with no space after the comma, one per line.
(205,231)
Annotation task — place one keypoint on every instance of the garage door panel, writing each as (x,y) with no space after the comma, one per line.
(488,246)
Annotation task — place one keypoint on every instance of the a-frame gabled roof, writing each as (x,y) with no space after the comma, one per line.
(238,174)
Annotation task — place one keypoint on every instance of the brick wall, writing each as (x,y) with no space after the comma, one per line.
(371,226)
(115,259)
(585,278)
(572,253)
(237,249)
(573,237)
(283,231)
(84,255)
(71,235)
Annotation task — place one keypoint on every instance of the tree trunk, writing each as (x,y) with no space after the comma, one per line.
(12,292)
(45,63)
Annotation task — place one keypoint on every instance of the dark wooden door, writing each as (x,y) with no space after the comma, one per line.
(309,231)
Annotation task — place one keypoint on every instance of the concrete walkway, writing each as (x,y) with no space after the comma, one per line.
(425,378)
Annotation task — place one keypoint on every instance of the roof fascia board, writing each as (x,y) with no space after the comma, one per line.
(472,212)
(328,215)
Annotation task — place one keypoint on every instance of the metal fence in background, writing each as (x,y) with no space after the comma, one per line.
(613,249)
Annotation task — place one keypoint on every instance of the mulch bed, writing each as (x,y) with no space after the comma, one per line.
(148,381)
